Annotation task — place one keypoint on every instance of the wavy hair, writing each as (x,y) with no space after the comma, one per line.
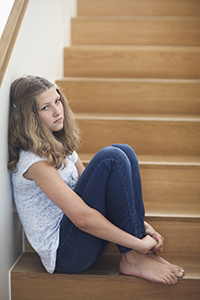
(26,130)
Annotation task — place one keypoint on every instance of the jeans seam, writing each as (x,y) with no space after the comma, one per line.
(61,245)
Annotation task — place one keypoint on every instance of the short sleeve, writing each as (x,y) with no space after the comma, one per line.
(27,159)
(73,157)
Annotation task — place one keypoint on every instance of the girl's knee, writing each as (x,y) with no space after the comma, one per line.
(128,150)
(121,153)
(117,154)
(111,152)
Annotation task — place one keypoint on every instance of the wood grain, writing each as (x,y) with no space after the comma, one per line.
(147,136)
(139,8)
(162,62)
(132,95)
(102,281)
(164,31)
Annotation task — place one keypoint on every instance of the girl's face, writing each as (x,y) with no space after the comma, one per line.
(50,109)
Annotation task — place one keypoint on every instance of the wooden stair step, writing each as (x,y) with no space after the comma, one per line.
(158,136)
(176,31)
(170,184)
(132,95)
(101,281)
(164,62)
(174,230)
(181,233)
(139,8)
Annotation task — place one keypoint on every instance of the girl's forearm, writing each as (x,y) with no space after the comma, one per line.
(100,227)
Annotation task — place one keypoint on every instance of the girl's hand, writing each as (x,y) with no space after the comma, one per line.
(147,243)
(156,236)
(160,241)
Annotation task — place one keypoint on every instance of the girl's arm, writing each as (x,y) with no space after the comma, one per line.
(83,216)
(80,167)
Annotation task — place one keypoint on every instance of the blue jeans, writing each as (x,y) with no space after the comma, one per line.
(110,184)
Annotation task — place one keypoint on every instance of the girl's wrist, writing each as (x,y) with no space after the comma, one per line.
(137,244)
(149,229)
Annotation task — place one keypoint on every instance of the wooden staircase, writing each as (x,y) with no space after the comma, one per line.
(132,75)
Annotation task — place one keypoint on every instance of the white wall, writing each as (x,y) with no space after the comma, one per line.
(44,31)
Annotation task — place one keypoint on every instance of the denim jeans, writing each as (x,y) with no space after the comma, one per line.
(110,184)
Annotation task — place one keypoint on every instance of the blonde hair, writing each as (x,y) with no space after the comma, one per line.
(26,130)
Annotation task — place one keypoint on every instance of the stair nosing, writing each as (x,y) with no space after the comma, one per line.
(164,18)
(139,80)
(136,47)
(174,217)
(137,117)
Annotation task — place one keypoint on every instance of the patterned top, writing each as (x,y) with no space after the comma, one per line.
(40,217)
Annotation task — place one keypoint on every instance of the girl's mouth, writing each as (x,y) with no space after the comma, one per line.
(58,120)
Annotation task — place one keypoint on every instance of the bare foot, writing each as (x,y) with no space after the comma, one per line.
(179,271)
(134,263)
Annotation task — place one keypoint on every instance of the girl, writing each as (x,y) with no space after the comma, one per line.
(69,213)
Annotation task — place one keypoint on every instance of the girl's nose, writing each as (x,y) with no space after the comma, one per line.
(56,111)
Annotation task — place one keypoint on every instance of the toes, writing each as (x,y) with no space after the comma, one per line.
(178,272)
(163,281)
(171,278)
(181,273)
(174,278)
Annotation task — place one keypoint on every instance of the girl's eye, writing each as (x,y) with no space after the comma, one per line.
(57,101)
(45,108)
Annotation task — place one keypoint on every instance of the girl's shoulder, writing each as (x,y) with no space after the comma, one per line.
(27,155)
(26,159)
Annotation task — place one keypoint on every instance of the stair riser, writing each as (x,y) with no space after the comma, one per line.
(152,137)
(132,96)
(139,8)
(181,236)
(143,31)
(132,62)
(171,190)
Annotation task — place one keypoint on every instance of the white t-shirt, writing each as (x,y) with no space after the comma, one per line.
(40,217)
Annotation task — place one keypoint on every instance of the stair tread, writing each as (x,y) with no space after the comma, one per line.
(171,210)
(107,265)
